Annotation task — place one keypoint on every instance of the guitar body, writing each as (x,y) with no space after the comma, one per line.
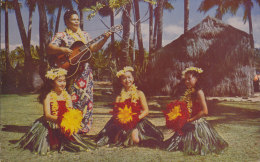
(75,58)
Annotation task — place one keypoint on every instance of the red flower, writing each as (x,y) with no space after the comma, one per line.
(74,97)
(82,83)
(176,115)
(126,114)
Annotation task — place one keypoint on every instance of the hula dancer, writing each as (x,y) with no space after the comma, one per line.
(57,129)
(193,134)
(128,125)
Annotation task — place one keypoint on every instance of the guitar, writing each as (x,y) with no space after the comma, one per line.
(80,53)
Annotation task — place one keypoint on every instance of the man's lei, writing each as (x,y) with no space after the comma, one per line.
(74,35)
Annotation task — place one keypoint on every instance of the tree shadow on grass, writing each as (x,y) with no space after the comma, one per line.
(232,114)
(16,128)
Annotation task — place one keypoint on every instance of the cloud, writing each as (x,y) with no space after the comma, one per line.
(173,30)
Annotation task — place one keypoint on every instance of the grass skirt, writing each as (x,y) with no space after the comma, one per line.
(200,141)
(112,134)
(39,138)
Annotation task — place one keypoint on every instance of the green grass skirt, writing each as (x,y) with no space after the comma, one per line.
(112,134)
(199,141)
(38,141)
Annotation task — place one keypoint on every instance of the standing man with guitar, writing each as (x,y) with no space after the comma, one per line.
(80,82)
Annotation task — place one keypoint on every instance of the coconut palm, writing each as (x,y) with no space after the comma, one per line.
(7,75)
(31,4)
(138,30)
(186,15)
(151,45)
(26,46)
(126,18)
(158,22)
(43,29)
(7,5)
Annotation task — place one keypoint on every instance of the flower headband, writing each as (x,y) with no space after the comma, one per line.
(198,70)
(122,72)
(55,72)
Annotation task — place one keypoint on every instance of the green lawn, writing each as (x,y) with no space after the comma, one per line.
(237,122)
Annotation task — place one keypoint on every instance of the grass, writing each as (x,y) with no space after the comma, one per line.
(237,122)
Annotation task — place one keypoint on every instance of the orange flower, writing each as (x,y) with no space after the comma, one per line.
(175,112)
(71,121)
(125,114)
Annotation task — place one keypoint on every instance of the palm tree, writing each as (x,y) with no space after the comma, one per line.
(126,18)
(160,24)
(31,5)
(7,6)
(43,29)
(139,31)
(186,15)
(248,4)
(151,45)
(26,46)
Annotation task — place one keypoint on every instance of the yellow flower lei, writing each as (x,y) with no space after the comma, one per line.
(122,72)
(198,70)
(187,98)
(55,72)
(54,102)
(132,93)
(75,35)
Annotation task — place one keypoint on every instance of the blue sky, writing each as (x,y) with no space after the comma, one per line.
(172,23)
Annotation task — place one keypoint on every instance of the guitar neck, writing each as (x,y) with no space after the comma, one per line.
(86,46)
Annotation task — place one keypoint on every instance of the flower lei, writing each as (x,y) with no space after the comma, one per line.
(122,72)
(55,72)
(54,102)
(74,35)
(187,98)
(132,93)
(198,70)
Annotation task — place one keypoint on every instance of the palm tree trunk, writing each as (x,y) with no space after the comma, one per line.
(155,28)
(249,2)
(150,28)
(30,21)
(26,46)
(112,23)
(81,19)
(43,29)
(6,86)
(44,37)
(58,18)
(125,59)
(139,30)
(186,15)
(8,66)
(160,24)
